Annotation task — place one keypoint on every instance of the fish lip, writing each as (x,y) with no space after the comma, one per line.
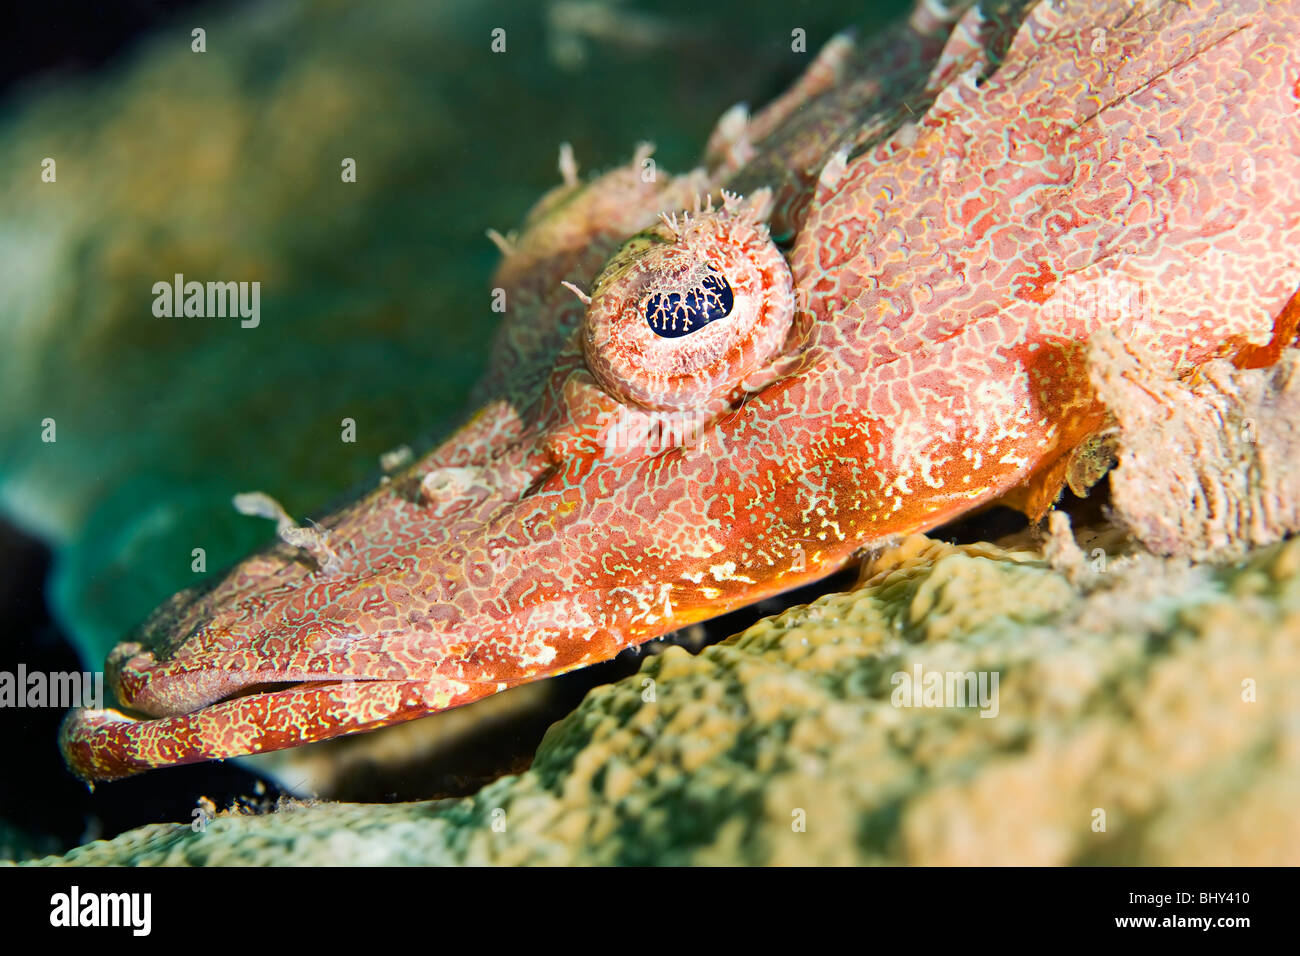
(151,689)
(267,690)
(101,745)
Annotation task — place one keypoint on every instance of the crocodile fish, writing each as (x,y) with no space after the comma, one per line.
(865,314)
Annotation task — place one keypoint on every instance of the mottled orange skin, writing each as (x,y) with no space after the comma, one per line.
(953,213)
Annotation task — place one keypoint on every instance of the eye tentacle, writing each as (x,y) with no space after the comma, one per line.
(581,296)
(686,312)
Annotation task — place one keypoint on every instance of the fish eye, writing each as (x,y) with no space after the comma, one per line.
(674,314)
(685,311)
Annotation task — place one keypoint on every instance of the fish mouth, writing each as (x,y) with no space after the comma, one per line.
(109,744)
(211,706)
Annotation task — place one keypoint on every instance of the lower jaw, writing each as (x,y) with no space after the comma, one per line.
(103,745)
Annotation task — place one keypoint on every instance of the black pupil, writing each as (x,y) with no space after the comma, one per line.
(674,314)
